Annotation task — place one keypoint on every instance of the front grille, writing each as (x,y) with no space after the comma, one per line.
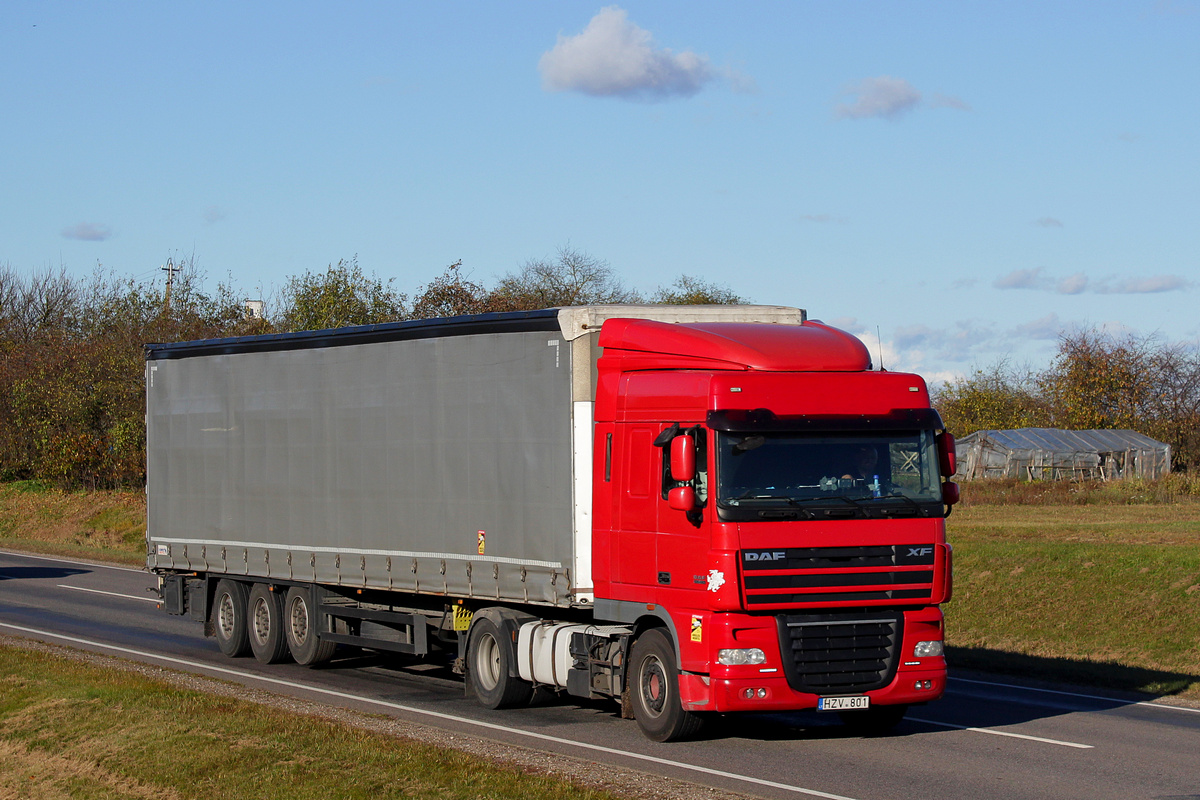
(838,576)
(840,653)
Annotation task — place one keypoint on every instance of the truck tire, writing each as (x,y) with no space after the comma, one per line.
(654,690)
(489,661)
(301,630)
(229,618)
(264,623)
(874,721)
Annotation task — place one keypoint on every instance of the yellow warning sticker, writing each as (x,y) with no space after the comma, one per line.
(462,618)
(697,628)
(482,537)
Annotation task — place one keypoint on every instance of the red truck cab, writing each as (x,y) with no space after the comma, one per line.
(777,507)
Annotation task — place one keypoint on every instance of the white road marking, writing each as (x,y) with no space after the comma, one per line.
(1079,694)
(62,560)
(110,594)
(1010,734)
(435,714)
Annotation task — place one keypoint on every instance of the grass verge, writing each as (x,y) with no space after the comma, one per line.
(1094,593)
(109,526)
(71,729)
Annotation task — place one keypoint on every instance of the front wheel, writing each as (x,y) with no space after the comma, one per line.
(489,657)
(654,690)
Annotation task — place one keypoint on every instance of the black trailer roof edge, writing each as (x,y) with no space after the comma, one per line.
(545,319)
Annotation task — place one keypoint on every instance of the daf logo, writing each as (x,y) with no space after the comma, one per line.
(920,551)
(776,555)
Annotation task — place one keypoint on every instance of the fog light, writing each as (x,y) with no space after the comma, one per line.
(762,693)
(748,694)
(749,655)
(926,685)
(928,649)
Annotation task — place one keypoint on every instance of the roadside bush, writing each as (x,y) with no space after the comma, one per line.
(1173,488)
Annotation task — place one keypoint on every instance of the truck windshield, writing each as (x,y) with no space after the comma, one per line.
(822,475)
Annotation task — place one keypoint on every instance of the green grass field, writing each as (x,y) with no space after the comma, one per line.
(1097,593)
(71,729)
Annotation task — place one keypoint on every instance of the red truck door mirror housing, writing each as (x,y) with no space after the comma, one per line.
(947,461)
(950,493)
(682,498)
(683,459)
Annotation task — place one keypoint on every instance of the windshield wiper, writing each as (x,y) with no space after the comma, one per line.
(903,497)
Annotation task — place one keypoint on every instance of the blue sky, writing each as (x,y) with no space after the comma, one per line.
(969,179)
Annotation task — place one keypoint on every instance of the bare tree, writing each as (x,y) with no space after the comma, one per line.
(571,278)
(450,294)
(688,290)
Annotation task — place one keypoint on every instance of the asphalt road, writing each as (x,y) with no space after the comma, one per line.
(984,739)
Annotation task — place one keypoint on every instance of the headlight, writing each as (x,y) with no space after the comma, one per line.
(928,649)
(749,655)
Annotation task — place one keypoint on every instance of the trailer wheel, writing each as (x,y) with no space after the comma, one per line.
(489,658)
(264,623)
(300,628)
(229,618)
(654,689)
(874,721)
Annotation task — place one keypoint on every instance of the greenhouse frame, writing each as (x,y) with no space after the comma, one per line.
(1056,454)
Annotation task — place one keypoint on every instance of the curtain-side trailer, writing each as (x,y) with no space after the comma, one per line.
(691,510)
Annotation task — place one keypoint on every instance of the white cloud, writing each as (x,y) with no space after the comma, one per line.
(740,82)
(956,343)
(1073,284)
(884,96)
(1047,327)
(1023,279)
(87,232)
(615,58)
(1079,283)
(949,101)
(1149,285)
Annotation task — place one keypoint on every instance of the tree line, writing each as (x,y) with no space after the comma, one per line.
(1097,380)
(72,396)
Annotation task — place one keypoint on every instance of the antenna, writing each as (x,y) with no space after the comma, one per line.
(879,347)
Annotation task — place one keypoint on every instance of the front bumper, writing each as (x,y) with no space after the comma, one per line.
(726,695)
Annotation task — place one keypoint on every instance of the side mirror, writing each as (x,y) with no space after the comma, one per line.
(683,459)
(946,456)
(950,493)
(682,498)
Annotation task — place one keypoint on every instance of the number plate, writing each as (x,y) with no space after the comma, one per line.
(843,703)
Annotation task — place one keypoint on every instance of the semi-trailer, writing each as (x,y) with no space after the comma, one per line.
(692,510)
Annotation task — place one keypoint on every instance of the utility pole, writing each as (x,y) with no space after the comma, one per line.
(170,269)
